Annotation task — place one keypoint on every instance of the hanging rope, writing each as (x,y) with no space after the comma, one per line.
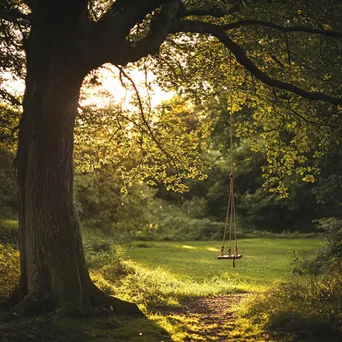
(230,220)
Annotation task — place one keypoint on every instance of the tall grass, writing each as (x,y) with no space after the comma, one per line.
(305,307)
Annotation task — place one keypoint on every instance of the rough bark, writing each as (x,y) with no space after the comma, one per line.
(53,269)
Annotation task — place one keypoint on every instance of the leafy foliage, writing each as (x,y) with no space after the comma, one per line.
(308,306)
(9,271)
(8,186)
(292,132)
(9,120)
(156,146)
(102,206)
(330,256)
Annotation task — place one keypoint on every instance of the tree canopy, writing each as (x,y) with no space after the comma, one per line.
(280,59)
(277,63)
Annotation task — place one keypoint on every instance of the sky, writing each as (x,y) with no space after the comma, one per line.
(111,90)
(112,84)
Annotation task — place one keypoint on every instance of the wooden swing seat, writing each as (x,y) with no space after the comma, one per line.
(229,256)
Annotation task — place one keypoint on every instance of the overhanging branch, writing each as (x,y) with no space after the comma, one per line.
(297,28)
(217,11)
(4,94)
(109,41)
(9,13)
(142,112)
(159,29)
(194,26)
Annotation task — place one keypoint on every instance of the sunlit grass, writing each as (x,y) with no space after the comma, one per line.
(158,288)
(164,277)
(167,275)
(265,261)
(306,306)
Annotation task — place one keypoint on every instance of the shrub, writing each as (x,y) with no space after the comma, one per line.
(104,259)
(9,271)
(169,222)
(307,306)
(332,252)
(330,255)
(8,185)
(101,205)
(8,231)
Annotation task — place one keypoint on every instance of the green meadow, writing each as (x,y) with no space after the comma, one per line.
(186,294)
(265,261)
(169,277)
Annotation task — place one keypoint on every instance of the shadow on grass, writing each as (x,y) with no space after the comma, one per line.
(108,327)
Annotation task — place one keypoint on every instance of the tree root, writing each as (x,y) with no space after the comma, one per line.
(118,306)
(95,302)
(35,303)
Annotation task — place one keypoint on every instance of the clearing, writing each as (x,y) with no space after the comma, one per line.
(184,291)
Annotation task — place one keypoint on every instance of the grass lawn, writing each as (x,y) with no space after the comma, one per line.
(265,261)
(174,284)
(171,273)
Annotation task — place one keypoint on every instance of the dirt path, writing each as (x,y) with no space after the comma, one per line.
(209,319)
(216,316)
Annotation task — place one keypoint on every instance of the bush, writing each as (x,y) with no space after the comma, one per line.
(330,255)
(309,306)
(104,259)
(8,231)
(9,271)
(102,206)
(8,185)
(169,222)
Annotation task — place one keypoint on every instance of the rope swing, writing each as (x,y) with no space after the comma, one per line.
(230,221)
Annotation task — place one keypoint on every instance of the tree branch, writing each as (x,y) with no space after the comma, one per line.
(142,112)
(121,17)
(217,11)
(109,37)
(10,13)
(297,28)
(159,29)
(194,26)
(4,94)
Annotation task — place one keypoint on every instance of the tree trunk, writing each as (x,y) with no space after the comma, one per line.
(53,270)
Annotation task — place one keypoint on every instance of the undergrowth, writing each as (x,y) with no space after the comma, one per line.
(155,289)
(9,271)
(116,274)
(8,231)
(306,306)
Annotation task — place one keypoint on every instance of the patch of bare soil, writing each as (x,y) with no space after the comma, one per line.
(209,318)
(216,316)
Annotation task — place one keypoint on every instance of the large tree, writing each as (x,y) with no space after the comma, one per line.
(62,41)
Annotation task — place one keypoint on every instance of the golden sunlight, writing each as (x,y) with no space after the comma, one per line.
(189,247)
(111,90)
(108,90)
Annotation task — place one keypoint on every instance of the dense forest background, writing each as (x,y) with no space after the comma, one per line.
(107,203)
